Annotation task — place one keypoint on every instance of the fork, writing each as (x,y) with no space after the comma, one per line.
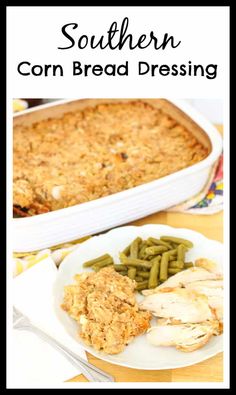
(91,372)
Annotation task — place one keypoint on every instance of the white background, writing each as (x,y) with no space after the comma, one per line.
(34,33)
(212,109)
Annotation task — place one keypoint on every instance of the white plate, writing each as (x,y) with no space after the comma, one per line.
(139,354)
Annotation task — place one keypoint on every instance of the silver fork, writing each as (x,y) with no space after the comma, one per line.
(91,372)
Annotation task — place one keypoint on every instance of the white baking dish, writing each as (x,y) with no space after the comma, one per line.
(45,230)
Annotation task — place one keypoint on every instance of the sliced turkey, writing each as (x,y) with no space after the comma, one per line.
(180,304)
(185,277)
(214,291)
(185,337)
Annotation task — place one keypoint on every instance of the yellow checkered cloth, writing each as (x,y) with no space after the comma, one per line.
(23,261)
(19,105)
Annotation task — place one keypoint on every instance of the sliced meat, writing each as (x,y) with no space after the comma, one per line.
(214,294)
(179,304)
(185,277)
(207,264)
(206,283)
(185,337)
(216,304)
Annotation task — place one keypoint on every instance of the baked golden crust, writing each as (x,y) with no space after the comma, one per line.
(104,305)
(96,152)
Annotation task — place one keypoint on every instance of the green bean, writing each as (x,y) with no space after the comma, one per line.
(172,258)
(142,249)
(147,257)
(153,279)
(142,285)
(120,268)
(135,262)
(101,265)
(122,257)
(143,274)
(138,279)
(153,241)
(172,252)
(177,240)
(150,242)
(132,273)
(173,270)
(155,250)
(176,265)
(134,247)
(164,266)
(138,263)
(145,269)
(93,261)
(95,268)
(174,245)
(188,265)
(104,262)
(181,252)
(143,243)
(156,258)
(123,273)
(126,251)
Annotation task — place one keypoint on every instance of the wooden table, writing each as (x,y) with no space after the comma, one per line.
(210,370)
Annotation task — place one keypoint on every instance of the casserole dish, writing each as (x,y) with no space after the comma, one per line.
(66,224)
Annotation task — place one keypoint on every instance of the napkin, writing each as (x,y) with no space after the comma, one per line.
(210,199)
(25,260)
(34,362)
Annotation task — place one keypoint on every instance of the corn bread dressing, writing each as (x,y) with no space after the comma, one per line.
(106,310)
(95,152)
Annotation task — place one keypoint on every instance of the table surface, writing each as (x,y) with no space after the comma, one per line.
(210,370)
